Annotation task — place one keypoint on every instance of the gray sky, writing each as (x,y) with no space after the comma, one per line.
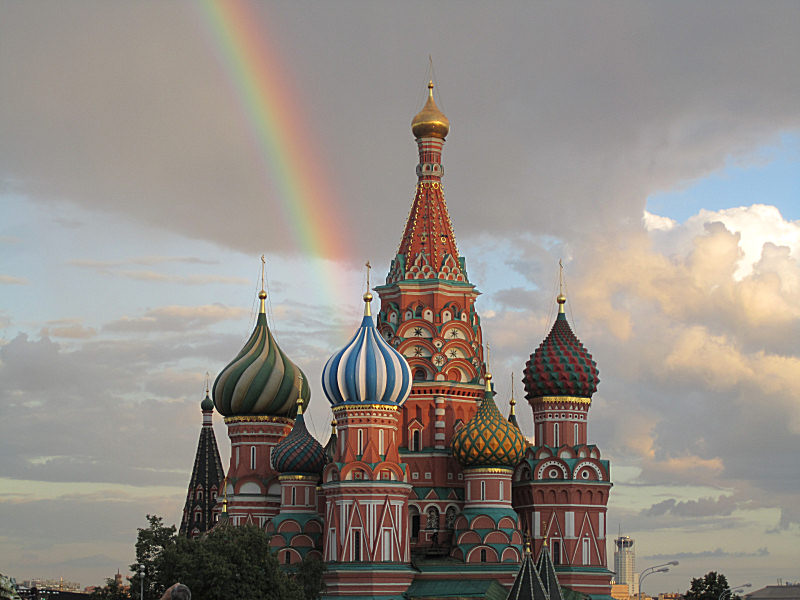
(137,193)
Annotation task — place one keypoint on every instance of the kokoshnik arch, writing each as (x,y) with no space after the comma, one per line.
(423,487)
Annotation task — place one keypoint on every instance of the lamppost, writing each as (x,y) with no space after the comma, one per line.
(655,569)
(731,591)
(141,577)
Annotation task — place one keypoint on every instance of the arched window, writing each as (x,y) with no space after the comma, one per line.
(416,442)
(420,375)
(433,518)
(413,515)
(449,517)
(483,555)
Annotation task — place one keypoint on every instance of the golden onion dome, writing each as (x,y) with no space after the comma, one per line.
(430,121)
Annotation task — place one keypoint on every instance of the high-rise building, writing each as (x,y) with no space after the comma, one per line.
(424,489)
(625,563)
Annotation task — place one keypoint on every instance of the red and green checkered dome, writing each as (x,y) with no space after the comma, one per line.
(560,366)
(298,453)
(488,439)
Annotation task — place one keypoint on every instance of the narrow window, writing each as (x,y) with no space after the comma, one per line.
(483,492)
(357,545)
(414,526)
(252,457)
(287,557)
(577,441)
(540,436)
(502,488)
(556,552)
(294,495)
(586,556)
(386,544)
(361,441)
(415,440)
(380,441)
(483,555)
(555,435)
(237,456)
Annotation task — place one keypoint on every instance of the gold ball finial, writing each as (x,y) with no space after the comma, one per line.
(299,405)
(561,298)
(430,121)
(262,295)
(488,376)
(367,297)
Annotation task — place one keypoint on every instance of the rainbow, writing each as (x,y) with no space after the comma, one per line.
(279,126)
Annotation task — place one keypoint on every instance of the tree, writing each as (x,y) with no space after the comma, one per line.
(227,562)
(150,544)
(113,590)
(711,586)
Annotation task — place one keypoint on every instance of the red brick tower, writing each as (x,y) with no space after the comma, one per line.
(428,314)
(561,487)
(257,394)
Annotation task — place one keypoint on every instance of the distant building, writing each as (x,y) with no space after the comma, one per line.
(776,592)
(625,563)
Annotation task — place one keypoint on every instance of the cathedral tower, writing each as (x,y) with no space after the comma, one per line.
(365,487)
(428,314)
(207,478)
(561,487)
(257,394)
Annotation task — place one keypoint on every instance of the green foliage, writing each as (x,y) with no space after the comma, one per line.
(111,591)
(150,544)
(228,562)
(711,586)
(309,578)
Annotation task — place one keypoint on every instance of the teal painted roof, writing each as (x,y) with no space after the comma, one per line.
(487,589)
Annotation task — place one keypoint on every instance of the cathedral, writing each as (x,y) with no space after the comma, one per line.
(424,488)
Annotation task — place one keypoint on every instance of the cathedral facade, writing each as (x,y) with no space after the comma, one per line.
(424,489)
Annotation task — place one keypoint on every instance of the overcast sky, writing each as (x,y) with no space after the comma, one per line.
(654,147)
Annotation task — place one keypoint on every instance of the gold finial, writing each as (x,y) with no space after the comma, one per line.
(561,299)
(225,495)
(262,295)
(299,394)
(367,295)
(333,426)
(207,383)
(512,402)
(527,546)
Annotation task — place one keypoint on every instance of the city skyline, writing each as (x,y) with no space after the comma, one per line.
(652,148)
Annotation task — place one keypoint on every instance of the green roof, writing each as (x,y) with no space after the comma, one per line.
(456,589)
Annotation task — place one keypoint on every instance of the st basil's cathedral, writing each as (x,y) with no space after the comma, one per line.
(423,489)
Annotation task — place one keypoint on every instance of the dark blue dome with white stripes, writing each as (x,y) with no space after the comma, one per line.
(367,370)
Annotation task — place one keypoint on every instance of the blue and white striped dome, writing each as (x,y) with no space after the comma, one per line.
(367,370)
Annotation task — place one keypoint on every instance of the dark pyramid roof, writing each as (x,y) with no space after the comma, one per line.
(528,585)
(207,473)
(547,573)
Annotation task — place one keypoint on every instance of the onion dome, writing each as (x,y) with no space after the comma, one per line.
(488,439)
(430,121)
(560,366)
(207,403)
(261,379)
(298,453)
(367,370)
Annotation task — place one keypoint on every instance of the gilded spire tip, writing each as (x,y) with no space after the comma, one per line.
(262,295)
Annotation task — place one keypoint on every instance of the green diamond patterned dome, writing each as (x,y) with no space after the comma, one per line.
(261,380)
(488,439)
